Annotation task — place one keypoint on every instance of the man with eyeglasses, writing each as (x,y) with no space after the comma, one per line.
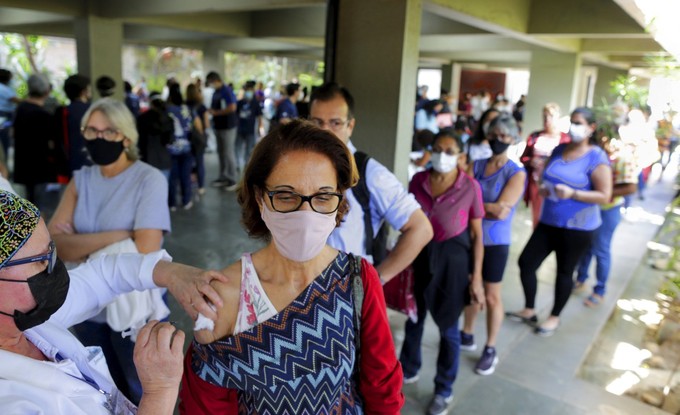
(332,108)
(45,369)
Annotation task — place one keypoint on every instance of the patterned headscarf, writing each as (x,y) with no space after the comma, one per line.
(18,220)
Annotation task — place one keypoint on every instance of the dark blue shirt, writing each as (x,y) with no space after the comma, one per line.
(221,99)
(248,111)
(77,153)
(285,109)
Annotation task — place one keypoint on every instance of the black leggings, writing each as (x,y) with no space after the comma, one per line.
(569,245)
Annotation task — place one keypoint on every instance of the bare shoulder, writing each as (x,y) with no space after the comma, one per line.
(230,293)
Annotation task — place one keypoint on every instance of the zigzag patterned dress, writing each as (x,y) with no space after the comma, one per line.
(300,361)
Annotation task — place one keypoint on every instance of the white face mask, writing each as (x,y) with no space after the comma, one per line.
(444,163)
(578,132)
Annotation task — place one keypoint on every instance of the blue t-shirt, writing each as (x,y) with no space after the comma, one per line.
(496,231)
(248,111)
(285,109)
(6,94)
(136,198)
(181,118)
(221,99)
(570,213)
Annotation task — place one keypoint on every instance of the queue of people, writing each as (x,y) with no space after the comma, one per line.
(310,303)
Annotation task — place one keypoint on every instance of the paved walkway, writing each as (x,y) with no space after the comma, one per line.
(535,375)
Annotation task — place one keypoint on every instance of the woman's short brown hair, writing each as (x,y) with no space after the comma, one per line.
(296,135)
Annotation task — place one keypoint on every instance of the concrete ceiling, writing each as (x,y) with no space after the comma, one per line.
(497,33)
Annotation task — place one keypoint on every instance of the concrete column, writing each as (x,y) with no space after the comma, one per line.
(213,59)
(447,76)
(377,60)
(99,47)
(605,75)
(553,78)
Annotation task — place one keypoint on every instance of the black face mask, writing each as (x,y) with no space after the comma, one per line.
(104,152)
(497,147)
(49,291)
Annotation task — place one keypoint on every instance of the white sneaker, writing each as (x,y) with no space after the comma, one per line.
(412,379)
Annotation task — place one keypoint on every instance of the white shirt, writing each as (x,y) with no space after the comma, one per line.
(389,202)
(77,381)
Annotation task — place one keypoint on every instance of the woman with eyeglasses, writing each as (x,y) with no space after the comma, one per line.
(116,200)
(502,182)
(577,178)
(448,270)
(294,336)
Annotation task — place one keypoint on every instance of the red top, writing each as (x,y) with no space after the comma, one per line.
(451,211)
(380,372)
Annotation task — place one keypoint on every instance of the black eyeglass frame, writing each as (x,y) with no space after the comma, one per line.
(303,199)
(50,256)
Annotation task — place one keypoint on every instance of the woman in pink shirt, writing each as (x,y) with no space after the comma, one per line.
(449,267)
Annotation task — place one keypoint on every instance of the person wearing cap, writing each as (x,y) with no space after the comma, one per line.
(45,369)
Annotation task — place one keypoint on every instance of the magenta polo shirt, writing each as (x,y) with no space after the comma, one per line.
(451,211)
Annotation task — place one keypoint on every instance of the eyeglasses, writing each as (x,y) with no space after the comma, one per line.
(285,201)
(109,134)
(50,257)
(334,124)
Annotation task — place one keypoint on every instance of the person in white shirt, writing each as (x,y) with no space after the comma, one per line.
(45,369)
(332,108)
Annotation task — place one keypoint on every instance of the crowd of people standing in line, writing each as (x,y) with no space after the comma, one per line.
(320,214)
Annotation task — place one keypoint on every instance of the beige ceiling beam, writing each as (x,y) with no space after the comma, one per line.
(298,22)
(10,16)
(581,17)
(65,7)
(460,43)
(137,8)
(224,24)
(630,46)
(59,29)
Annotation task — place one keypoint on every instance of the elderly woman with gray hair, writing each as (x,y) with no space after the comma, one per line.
(35,162)
(118,202)
(502,182)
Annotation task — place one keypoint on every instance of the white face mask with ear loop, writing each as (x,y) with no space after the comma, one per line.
(444,163)
(578,132)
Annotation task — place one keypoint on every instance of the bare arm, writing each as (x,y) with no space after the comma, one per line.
(624,189)
(147,240)
(512,192)
(476,285)
(228,291)
(414,236)
(73,246)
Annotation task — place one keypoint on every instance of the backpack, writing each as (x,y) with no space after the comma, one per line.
(376,247)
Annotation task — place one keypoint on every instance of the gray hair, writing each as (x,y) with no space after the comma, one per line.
(506,125)
(38,86)
(120,118)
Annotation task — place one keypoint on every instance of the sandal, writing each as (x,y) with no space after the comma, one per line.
(593,300)
(514,316)
(578,286)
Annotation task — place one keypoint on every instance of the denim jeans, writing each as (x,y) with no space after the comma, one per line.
(244,147)
(447,360)
(118,352)
(441,272)
(180,173)
(601,249)
(200,169)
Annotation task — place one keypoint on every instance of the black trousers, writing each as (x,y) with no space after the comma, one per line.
(569,245)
